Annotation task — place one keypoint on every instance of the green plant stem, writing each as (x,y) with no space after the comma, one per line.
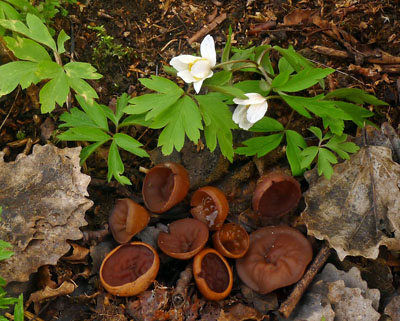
(234,62)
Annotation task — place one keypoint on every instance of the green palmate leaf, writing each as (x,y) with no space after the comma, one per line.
(261,56)
(219,78)
(295,104)
(284,66)
(297,61)
(55,91)
(130,144)
(260,146)
(295,143)
(61,39)
(76,118)
(353,112)
(48,70)
(316,131)
(335,125)
(251,86)
(27,49)
(4,252)
(325,159)
(308,155)
(266,125)
(160,84)
(355,95)
(170,70)
(228,90)
(115,166)
(109,114)
(280,79)
(218,123)
(339,145)
(135,120)
(227,50)
(182,117)
(89,150)
(94,111)
(82,88)
(8,12)
(85,134)
(17,72)
(122,102)
(19,309)
(304,79)
(153,104)
(39,32)
(81,70)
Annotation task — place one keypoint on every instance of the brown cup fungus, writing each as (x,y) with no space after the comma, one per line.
(186,238)
(127,219)
(164,186)
(210,206)
(277,257)
(276,194)
(212,274)
(231,240)
(129,269)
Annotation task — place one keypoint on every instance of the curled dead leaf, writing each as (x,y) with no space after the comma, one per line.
(48,293)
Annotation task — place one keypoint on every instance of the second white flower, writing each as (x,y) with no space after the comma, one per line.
(249,111)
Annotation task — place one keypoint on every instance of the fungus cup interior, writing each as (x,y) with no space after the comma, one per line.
(127,264)
(164,186)
(210,206)
(127,219)
(231,240)
(276,194)
(186,237)
(277,257)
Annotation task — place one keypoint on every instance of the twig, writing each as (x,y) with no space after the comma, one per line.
(289,305)
(207,28)
(97,235)
(180,292)
(11,108)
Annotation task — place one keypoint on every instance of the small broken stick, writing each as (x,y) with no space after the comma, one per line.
(207,28)
(290,304)
(180,292)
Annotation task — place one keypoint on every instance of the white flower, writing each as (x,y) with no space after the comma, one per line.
(249,111)
(194,69)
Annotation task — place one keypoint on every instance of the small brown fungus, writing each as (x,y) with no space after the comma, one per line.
(231,240)
(164,186)
(209,205)
(276,194)
(129,269)
(186,238)
(277,257)
(127,219)
(212,274)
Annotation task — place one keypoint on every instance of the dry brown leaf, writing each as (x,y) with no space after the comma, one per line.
(358,209)
(240,312)
(44,204)
(48,293)
(298,16)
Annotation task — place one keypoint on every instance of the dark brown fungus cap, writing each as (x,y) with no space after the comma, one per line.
(164,186)
(276,194)
(210,206)
(185,239)
(277,257)
(127,219)
(212,274)
(129,269)
(231,240)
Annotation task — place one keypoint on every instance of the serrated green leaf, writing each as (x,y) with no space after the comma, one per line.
(180,118)
(89,150)
(297,61)
(218,125)
(48,70)
(228,90)
(284,66)
(153,104)
(316,131)
(94,111)
(339,145)
(17,72)
(161,84)
(266,125)
(54,91)
(265,61)
(27,49)
(135,120)
(81,70)
(61,39)
(116,166)
(15,25)
(296,104)
(109,114)
(19,309)
(354,113)
(295,142)
(8,12)
(130,144)
(334,124)
(280,79)
(76,118)
(308,155)
(82,88)
(170,70)
(39,32)
(219,78)
(355,95)
(260,146)
(304,79)
(85,134)
(325,159)
(251,86)
(122,102)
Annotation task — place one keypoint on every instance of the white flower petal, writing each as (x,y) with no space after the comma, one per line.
(239,113)
(188,59)
(207,50)
(256,111)
(197,85)
(201,69)
(245,124)
(186,76)
(254,98)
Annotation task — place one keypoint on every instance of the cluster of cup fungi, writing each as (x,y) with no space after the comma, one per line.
(269,258)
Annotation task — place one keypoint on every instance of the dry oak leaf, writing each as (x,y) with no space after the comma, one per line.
(358,210)
(44,204)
